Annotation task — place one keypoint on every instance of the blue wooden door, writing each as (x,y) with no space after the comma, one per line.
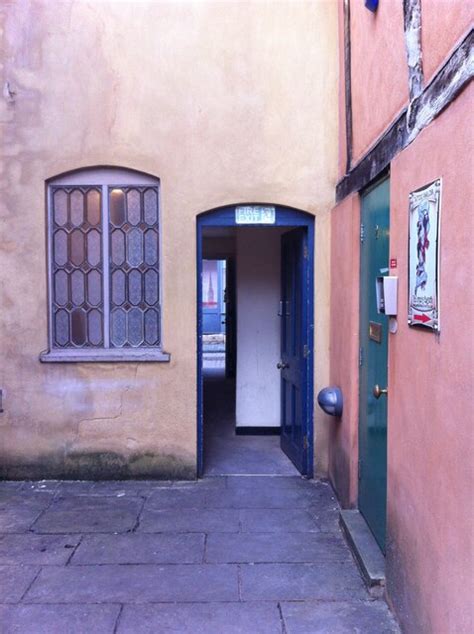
(373,362)
(293,363)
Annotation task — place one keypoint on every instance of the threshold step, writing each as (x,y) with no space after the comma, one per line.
(364,548)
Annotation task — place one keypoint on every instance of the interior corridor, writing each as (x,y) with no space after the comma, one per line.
(227,453)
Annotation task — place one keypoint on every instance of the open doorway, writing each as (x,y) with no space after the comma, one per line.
(255,289)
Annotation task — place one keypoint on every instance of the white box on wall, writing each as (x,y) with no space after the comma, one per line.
(386,287)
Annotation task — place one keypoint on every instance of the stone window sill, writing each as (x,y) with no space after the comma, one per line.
(110,355)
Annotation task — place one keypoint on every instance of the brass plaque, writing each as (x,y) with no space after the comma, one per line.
(375,331)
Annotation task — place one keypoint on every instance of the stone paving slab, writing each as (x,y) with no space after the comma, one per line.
(89,514)
(41,486)
(11,485)
(201,618)
(272,492)
(338,618)
(112,488)
(134,584)
(58,619)
(18,520)
(301,582)
(318,492)
(265,548)
(269,499)
(241,498)
(17,499)
(42,550)
(208,484)
(208,493)
(189,520)
(18,510)
(187,498)
(120,488)
(277,521)
(140,549)
(75,487)
(326,519)
(14,581)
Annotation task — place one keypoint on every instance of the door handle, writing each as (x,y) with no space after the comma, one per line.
(281,365)
(378,391)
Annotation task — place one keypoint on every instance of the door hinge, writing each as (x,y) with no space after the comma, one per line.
(362,232)
(361,357)
(359,469)
(305,442)
(305,351)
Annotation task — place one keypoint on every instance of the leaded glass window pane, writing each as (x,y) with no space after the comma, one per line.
(93,247)
(118,327)
(77,296)
(94,287)
(151,326)
(78,326)
(94,327)
(93,207)
(134,281)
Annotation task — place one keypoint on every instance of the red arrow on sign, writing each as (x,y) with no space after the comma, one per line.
(423,318)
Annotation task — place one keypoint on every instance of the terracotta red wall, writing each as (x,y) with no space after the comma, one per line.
(430,545)
(443,23)
(430,560)
(344,369)
(342,155)
(379,75)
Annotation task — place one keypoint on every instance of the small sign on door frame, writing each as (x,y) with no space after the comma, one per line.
(254,215)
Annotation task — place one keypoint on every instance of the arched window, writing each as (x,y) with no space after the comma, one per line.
(103,266)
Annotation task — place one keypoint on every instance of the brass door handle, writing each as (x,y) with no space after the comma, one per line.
(378,391)
(281,365)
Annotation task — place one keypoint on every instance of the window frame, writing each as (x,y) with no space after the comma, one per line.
(105,179)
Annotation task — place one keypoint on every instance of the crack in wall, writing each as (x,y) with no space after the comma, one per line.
(97,419)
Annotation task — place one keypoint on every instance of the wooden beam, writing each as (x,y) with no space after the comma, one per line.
(412,28)
(445,86)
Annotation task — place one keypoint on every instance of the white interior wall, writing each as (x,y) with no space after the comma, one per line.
(258,327)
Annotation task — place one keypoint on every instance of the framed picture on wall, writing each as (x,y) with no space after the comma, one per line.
(423,256)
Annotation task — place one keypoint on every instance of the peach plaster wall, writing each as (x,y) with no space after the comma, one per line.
(202,95)
(344,369)
(430,560)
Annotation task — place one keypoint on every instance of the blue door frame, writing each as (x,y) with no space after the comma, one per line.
(284,217)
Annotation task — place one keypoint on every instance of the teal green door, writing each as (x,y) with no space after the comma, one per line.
(374,261)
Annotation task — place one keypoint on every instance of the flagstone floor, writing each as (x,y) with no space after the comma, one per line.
(223,555)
